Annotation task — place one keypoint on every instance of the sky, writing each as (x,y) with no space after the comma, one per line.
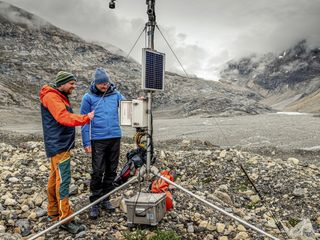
(204,34)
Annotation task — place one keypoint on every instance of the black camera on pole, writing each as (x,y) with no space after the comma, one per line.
(112,4)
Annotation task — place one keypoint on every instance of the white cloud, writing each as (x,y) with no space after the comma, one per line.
(203,33)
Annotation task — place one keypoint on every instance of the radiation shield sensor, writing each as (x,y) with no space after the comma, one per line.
(153,68)
(139,113)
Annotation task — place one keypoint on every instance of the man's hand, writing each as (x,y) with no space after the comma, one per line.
(142,98)
(91,115)
(88,149)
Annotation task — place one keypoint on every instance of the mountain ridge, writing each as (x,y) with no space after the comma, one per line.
(32,56)
(288,81)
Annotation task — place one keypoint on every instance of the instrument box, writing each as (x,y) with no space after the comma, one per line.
(146,208)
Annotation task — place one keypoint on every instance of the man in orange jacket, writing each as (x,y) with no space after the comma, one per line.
(58,122)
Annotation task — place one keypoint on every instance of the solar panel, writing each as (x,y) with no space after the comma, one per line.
(152,70)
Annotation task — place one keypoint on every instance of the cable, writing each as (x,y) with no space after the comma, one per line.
(143,30)
(278,224)
(136,202)
(173,52)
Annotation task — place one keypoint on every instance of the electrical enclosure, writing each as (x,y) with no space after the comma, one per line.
(146,208)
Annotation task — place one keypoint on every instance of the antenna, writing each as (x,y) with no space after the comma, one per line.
(150,25)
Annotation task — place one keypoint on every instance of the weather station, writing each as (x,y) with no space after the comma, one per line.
(147,208)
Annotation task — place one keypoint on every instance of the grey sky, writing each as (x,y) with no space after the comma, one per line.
(203,33)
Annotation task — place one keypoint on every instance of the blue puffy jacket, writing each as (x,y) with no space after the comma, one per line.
(105,124)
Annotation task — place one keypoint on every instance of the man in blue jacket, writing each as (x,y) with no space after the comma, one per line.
(102,137)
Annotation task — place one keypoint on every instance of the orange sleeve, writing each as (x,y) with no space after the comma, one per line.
(58,110)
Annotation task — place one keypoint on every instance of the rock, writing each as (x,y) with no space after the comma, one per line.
(129,193)
(25,208)
(73,190)
(220,227)
(299,192)
(38,200)
(10,202)
(123,206)
(80,235)
(209,237)
(150,235)
(27,179)
(32,216)
(223,154)
(8,236)
(115,202)
(241,228)
(254,160)
(2,229)
(248,192)
(223,238)
(303,230)
(223,188)
(254,199)
(190,219)
(24,226)
(13,180)
(190,228)
(271,223)
(295,161)
(242,236)
(211,227)
(5,174)
(162,155)
(118,235)
(223,197)
(203,224)
(40,212)
(43,168)
(186,142)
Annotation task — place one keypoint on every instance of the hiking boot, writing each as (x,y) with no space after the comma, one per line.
(94,212)
(73,227)
(106,205)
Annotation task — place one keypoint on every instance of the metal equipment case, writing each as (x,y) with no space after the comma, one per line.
(146,208)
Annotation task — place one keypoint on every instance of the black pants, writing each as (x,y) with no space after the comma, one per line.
(105,159)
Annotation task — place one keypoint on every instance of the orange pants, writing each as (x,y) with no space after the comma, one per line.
(58,186)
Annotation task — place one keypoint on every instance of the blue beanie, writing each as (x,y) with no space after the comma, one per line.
(101,76)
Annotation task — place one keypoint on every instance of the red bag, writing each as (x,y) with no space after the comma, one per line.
(159,186)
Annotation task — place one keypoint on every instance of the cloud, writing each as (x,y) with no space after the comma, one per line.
(204,34)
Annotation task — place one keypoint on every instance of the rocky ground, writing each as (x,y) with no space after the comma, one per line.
(290,191)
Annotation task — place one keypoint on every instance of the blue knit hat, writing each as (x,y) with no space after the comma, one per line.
(101,76)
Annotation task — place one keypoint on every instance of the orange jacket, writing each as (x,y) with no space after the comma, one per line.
(56,103)
(58,121)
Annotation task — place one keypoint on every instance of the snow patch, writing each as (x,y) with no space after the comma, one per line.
(291,113)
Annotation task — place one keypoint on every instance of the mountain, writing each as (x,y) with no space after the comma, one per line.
(288,81)
(32,52)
